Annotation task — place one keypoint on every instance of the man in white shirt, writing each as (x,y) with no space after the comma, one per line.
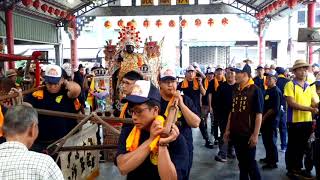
(16,161)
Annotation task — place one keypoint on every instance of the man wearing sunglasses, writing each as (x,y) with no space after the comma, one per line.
(57,95)
(142,152)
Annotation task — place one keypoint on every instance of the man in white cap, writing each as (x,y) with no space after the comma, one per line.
(143,151)
(192,87)
(186,119)
(58,95)
(302,101)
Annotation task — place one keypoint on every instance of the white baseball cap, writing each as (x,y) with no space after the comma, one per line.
(53,74)
(167,74)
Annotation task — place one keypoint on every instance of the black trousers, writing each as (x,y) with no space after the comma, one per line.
(203,126)
(247,158)
(269,138)
(298,135)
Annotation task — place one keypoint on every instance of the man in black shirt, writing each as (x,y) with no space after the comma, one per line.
(142,152)
(58,95)
(187,119)
(270,122)
(224,97)
(244,122)
(192,87)
(260,79)
(206,108)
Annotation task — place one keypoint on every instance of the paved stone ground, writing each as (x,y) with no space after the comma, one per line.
(206,168)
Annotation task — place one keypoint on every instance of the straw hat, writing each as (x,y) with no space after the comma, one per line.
(299,63)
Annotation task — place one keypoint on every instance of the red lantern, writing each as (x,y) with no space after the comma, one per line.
(183,23)
(225,21)
(210,22)
(158,23)
(27,2)
(63,14)
(282,2)
(50,10)
(292,3)
(36,4)
(146,23)
(57,12)
(120,23)
(276,5)
(172,23)
(44,7)
(69,17)
(132,23)
(270,8)
(107,24)
(197,22)
(258,15)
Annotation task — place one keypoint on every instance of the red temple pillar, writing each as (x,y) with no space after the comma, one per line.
(10,35)
(74,47)
(311,21)
(261,44)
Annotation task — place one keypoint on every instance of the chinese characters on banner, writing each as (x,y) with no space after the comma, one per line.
(147,2)
(182,2)
(164,2)
(81,164)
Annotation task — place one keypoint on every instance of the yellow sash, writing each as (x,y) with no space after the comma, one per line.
(216,82)
(249,83)
(132,141)
(123,111)
(185,84)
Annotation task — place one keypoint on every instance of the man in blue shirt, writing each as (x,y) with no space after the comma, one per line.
(143,151)
(270,122)
(281,82)
(192,87)
(186,119)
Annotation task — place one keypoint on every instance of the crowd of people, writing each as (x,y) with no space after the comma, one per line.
(240,107)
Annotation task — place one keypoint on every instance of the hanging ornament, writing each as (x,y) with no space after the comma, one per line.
(146,23)
(282,2)
(197,22)
(134,23)
(120,23)
(258,15)
(27,3)
(62,14)
(276,5)
(36,4)
(172,23)
(44,7)
(292,3)
(131,24)
(210,22)
(69,17)
(57,12)
(51,10)
(270,8)
(183,23)
(107,24)
(158,23)
(225,21)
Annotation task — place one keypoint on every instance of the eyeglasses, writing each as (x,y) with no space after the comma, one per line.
(169,81)
(137,111)
(51,84)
